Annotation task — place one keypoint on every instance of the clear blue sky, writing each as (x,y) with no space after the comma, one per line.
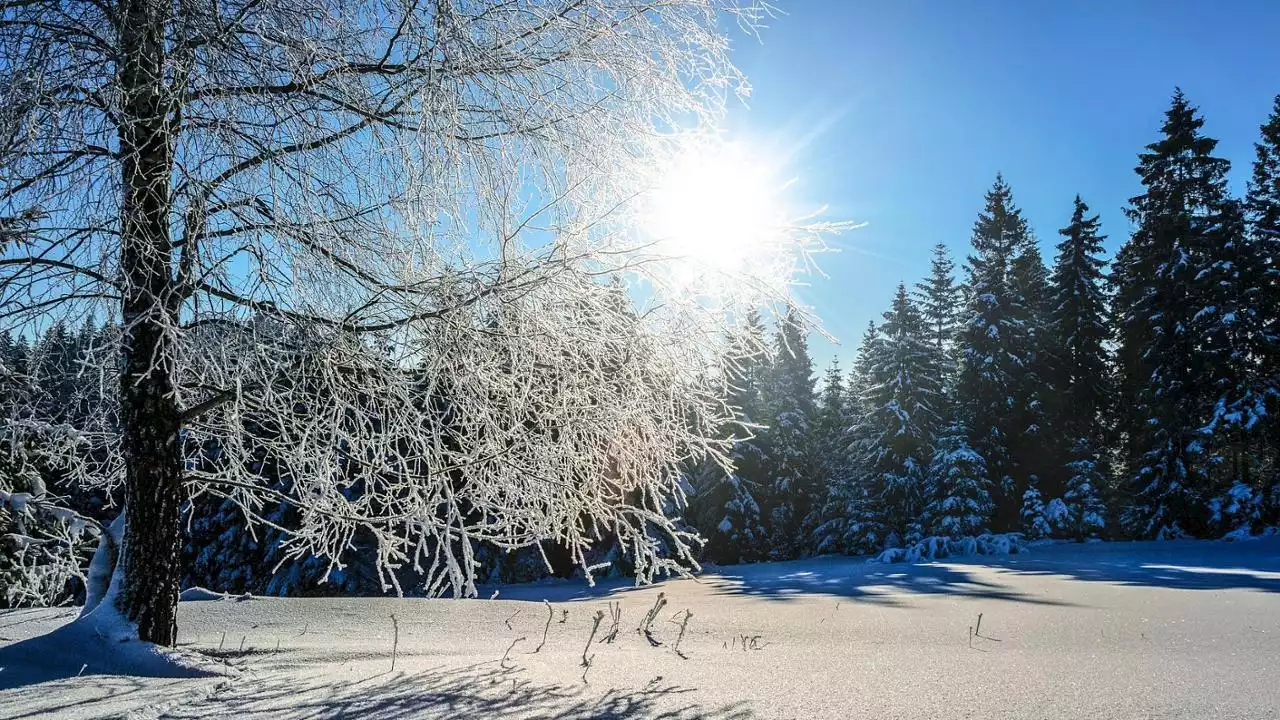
(900,113)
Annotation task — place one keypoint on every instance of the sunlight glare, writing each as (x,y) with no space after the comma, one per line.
(719,209)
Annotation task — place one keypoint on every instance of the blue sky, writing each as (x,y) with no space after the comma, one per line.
(900,112)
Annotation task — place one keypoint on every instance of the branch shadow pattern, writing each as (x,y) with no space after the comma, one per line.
(476,691)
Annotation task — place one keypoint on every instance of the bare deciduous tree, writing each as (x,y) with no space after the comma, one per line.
(376,238)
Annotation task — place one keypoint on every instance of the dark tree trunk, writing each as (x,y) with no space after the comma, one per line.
(149,415)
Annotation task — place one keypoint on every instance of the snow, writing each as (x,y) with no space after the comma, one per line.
(1175,630)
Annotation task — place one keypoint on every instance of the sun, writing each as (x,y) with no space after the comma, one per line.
(718,209)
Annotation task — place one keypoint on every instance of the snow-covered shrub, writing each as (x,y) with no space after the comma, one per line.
(938,547)
(1034,523)
(962,504)
(1237,513)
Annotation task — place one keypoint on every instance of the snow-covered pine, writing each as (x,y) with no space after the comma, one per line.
(940,303)
(1080,321)
(1035,525)
(992,339)
(724,508)
(895,434)
(791,497)
(1262,214)
(961,505)
(1176,352)
(1085,513)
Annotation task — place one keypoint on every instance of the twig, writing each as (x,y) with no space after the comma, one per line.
(586,661)
(564,616)
(395,642)
(513,617)
(970,636)
(223,640)
(550,615)
(978,630)
(277,644)
(615,616)
(242,637)
(304,629)
(683,626)
(645,624)
(503,662)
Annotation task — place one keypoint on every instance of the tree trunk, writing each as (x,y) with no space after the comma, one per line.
(149,415)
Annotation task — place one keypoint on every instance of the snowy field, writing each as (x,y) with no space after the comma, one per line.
(1126,630)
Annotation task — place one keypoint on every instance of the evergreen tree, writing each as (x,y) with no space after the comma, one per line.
(991,341)
(793,500)
(1262,212)
(1085,512)
(724,508)
(961,504)
(939,299)
(1035,450)
(1081,327)
(1034,524)
(1178,316)
(895,436)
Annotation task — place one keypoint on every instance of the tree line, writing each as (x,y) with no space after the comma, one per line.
(1130,398)
(1089,399)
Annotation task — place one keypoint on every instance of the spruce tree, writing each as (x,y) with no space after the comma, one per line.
(792,497)
(1034,524)
(1080,324)
(939,299)
(724,508)
(961,504)
(1262,213)
(895,437)
(1178,306)
(991,340)
(1035,449)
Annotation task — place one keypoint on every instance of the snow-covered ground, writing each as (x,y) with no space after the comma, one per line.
(1126,630)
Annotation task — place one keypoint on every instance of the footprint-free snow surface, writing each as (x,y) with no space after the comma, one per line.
(1124,630)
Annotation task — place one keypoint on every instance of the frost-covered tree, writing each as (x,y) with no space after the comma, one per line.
(992,340)
(961,505)
(895,436)
(1173,318)
(416,193)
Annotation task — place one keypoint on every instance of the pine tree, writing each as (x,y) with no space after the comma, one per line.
(1034,524)
(1262,212)
(1176,318)
(792,500)
(961,505)
(1080,324)
(1035,450)
(939,299)
(1085,512)
(991,341)
(1082,387)
(724,508)
(895,437)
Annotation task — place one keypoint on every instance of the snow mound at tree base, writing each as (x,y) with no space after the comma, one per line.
(938,547)
(84,647)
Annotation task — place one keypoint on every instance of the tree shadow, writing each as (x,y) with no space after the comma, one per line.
(1173,564)
(856,580)
(476,691)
